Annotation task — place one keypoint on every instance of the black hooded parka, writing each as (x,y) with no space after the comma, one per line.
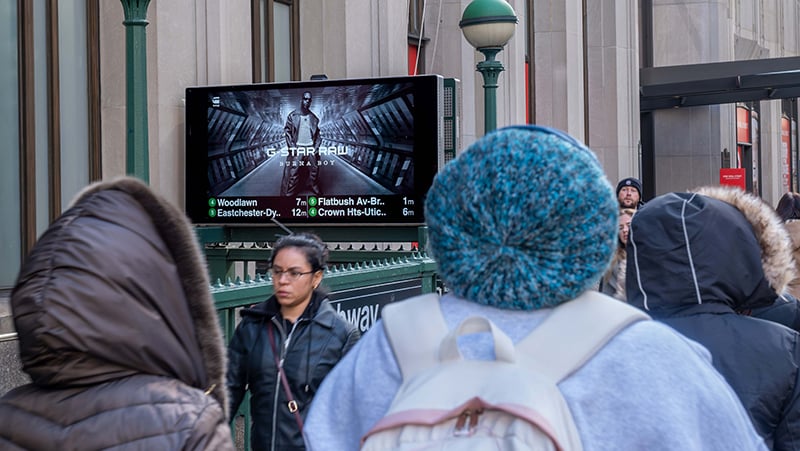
(697,259)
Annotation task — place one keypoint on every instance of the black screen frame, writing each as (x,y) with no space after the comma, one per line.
(391,203)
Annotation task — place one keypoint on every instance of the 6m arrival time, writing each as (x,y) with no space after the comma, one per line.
(335,209)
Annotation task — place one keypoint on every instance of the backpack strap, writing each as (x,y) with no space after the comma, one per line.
(575,331)
(414,328)
(504,350)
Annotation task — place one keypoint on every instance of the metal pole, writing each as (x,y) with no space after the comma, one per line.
(490,69)
(137,159)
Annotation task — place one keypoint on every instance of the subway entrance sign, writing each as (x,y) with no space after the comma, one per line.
(362,306)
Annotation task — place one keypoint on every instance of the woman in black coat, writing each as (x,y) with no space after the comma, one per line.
(694,261)
(297,330)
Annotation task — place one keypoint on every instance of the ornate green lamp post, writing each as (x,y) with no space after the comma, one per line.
(137,159)
(488,25)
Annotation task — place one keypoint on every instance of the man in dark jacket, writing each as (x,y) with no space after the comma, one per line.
(117,331)
(694,261)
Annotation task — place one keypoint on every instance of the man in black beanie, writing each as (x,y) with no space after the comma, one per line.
(629,193)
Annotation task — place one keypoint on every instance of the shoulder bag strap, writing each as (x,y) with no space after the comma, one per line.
(292,404)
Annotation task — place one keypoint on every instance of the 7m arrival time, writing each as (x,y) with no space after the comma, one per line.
(343,206)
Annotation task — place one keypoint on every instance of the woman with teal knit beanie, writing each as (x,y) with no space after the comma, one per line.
(522,221)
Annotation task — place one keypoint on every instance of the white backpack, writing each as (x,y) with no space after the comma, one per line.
(447,402)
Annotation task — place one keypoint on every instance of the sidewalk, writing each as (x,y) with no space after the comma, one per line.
(6,322)
(11,374)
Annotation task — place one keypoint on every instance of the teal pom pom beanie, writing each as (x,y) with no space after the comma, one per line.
(523,219)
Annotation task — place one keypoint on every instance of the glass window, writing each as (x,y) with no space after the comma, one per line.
(42,131)
(282,61)
(276,40)
(73,91)
(10,227)
(415,8)
(261,41)
(48,155)
(416,39)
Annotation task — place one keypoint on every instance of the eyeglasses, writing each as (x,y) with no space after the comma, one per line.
(292,274)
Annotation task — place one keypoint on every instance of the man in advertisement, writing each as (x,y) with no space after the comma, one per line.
(302,142)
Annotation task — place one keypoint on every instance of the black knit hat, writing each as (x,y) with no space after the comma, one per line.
(630,181)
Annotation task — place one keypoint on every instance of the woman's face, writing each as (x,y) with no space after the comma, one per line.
(293,281)
(624,227)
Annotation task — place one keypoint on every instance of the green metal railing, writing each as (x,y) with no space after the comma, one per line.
(226,245)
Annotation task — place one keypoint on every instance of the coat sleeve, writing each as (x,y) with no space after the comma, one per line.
(317,138)
(353,335)
(237,370)
(787,432)
(287,131)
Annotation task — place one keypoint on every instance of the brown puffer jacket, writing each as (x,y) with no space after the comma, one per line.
(117,331)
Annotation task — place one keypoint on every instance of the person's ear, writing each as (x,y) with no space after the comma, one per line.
(317,279)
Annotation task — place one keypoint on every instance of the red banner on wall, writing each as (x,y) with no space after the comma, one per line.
(732,177)
(742,125)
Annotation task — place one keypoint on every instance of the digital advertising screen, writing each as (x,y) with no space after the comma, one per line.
(338,152)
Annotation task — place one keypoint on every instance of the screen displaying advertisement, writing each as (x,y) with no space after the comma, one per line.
(354,151)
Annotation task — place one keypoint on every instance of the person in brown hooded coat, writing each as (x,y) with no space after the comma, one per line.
(117,331)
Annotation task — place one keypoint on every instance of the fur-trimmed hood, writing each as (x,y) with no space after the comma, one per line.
(118,286)
(714,245)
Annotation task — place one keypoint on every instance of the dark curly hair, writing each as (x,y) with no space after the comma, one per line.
(789,206)
(311,245)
